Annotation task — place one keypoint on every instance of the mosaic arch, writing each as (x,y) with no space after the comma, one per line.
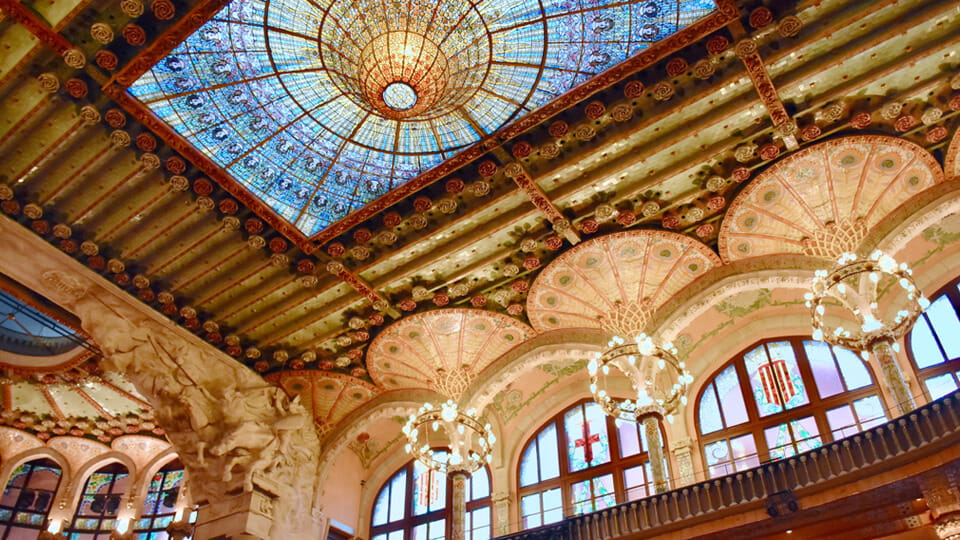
(442,349)
(823,200)
(328,396)
(631,273)
(318,107)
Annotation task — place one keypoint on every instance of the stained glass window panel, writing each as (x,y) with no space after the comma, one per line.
(823,367)
(764,390)
(586,431)
(628,437)
(429,489)
(731,397)
(710,419)
(786,374)
(593,494)
(302,111)
(923,345)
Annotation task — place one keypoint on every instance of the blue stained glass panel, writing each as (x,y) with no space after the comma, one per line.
(298,103)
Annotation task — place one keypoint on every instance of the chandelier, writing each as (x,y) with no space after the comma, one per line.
(659,379)
(856,286)
(466,440)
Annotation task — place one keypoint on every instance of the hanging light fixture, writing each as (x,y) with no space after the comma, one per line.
(855,289)
(467,441)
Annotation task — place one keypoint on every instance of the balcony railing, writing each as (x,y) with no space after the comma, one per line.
(909,437)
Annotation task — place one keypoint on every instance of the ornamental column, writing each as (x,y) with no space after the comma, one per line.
(893,377)
(458,514)
(683,453)
(651,428)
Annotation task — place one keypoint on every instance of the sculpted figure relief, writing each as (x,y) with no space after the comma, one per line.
(228,424)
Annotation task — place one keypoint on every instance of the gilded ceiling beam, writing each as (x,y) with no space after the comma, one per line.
(525,182)
(749,54)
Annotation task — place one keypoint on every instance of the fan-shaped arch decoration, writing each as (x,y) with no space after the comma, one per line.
(616,281)
(329,396)
(951,164)
(823,200)
(443,349)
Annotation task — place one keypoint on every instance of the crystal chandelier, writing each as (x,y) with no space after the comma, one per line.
(466,441)
(855,289)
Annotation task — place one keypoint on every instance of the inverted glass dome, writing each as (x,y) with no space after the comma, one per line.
(318,107)
(28,332)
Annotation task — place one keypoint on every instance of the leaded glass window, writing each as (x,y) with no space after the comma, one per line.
(414,504)
(27,499)
(783,397)
(159,507)
(96,515)
(934,343)
(582,461)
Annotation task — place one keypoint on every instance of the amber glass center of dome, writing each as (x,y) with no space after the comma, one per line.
(427,63)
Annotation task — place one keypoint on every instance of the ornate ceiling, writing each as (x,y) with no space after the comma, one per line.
(664,141)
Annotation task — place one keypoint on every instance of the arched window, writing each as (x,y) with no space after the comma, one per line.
(27,499)
(582,461)
(782,397)
(159,506)
(934,343)
(96,514)
(414,504)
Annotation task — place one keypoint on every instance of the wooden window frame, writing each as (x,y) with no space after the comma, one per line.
(951,365)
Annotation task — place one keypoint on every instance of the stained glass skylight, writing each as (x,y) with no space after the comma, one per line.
(318,107)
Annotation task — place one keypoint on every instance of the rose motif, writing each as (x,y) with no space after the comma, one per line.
(626,218)
(205,204)
(789,26)
(745,47)
(745,152)
(106,59)
(335,249)
(115,118)
(97,262)
(74,58)
(717,44)
(116,266)
(33,211)
(145,294)
(148,143)
(671,221)
(165,297)
(358,372)
(528,245)
(149,161)
(228,206)
(306,266)
(633,89)
(549,150)
(931,116)
(553,243)
(328,365)
(861,120)
(760,17)
(133,34)
(621,113)
(261,366)
(457,290)
(531,262)
(422,204)
(704,69)
(480,188)
(122,279)
(694,213)
(769,151)
(954,102)
(510,270)
(522,149)
(513,170)
(253,225)
(296,364)
(131,8)
(594,110)
(234,350)
(387,238)
(891,110)
(676,67)
(453,186)
(176,165)
(362,235)
(63,231)
(253,353)
(407,304)
(447,205)
(558,128)
(937,134)
(662,91)
(515,309)
(48,82)
(101,32)
(41,226)
(392,219)
(281,356)
(905,123)
(277,245)
(169,309)
(589,226)
(716,203)
(360,253)
(478,301)
(487,168)
(69,246)
(163,10)
(376,319)
(520,286)
(141,281)
(256,242)
(76,87)
(356,354)
(584,133)
(809,133)
(705,230)
(418,221)
(308,281)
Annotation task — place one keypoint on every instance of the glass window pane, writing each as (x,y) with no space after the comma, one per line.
(779,441)
(718,458)
(805,433)
(635,482)
(854,369)
(530,510)
(429,489)
(479,524)
(709,411)
(824,370)
(530,465)
(549,453)
(593,494)
(945,324)
(628,437)
(761,383)
(842,423)
(586,431)
(398,490)
(731,397)
(603,492)
(940,385)
(478,485)
(870,412)
(552,506)
(923,345)
(744,450)
(785,373)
